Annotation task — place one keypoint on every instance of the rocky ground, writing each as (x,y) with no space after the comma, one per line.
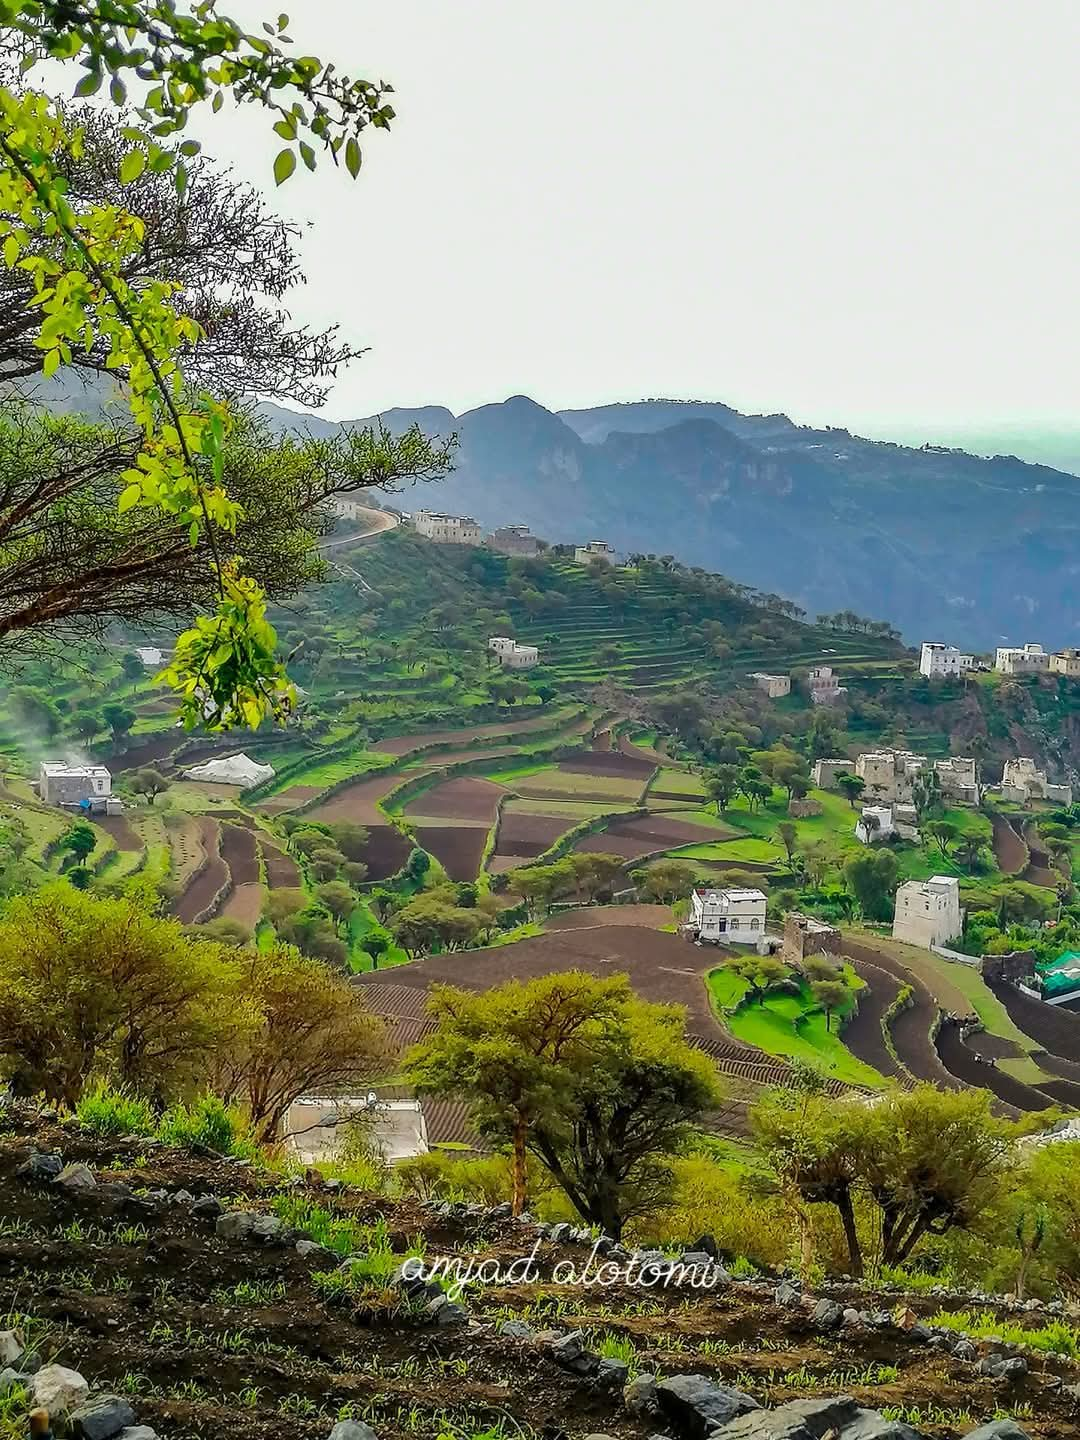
(148,1290)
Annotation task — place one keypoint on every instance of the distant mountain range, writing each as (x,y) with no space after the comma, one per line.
(944,544)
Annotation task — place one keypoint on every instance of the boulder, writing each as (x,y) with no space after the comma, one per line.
(312,1250)
(828,1315)
(138,1432)
(708,1244)
(798,1420)
(568,1348)
(965,1350)
(236,1225)
(611,1374)
(851,1316)
(9,1378)
(56,1388)
(998,1430)
(40,1166)
(352,1430)
(102,1419)
(269,1229)
(639,1396)
(517,1330)
(696,1406)
(11,1346)
(787,1297)
(208,1206)
(76,1177)
(560,1233)
(870,1425)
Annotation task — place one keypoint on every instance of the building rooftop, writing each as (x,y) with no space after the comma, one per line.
(61,767)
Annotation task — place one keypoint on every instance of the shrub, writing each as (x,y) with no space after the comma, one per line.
(210,1123)
(109,1111)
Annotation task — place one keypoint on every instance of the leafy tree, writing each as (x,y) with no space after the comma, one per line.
(634,1104)
(722,785)
(595,872)
(926,793)
(851,786)
(788,835)
(284,903)
(757,792)
(934,1160)
(132,668)
(147,1004)
(87,723)
(831,995)
(80,839)
(872,879)
(418,864)
(224,929)
(312,1034)
(666,881)
(376,943)
(119,719)
(351,840)
(761,973)
(512,1052)
(945,832)
(338,899)
(354,871)
(969,849)
(80,258)
(429,921)
(820,967)
(815,1146)
(148,782)
(326,862)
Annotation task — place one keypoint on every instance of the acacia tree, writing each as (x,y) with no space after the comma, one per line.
(512,1053)
(79,259)
(311,1033)
(148,782)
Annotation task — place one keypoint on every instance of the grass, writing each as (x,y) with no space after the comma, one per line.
(789,1026)
(1055,1337)
(678,782)
(748,849)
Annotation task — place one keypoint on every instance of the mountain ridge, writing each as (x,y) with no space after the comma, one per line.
(947,545)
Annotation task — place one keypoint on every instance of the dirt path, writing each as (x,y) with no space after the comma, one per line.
(1010,852)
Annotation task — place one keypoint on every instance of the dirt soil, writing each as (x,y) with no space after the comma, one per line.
(1057,1030)
(664,831)
(199,893)
(1010,852)
(119,827)
(212,1337)
(238,852)
(386,851)
(358,802)
(403,744)
(463,798)
(910,1029)
(652,917)
(962,1062)
(281,869)
(610,762)
(458,848)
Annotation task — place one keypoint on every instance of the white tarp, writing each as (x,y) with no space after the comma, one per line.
(232,770)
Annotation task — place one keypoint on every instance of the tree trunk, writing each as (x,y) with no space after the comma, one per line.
(518,1197)
(851,1235)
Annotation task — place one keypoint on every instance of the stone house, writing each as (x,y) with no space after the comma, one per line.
(595,550)
(728,917)
(825,687)
(774,686)
(803,936)
(1066,662)
(1021,660)
(874,824)
(447,529)
(1022,781)
(513,656)
(928,911)
(513,540)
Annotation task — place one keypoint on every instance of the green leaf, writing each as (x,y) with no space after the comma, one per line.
(193,533)
(352,157)
(286,128)
(117,90)
(284,166)
(11,250)
(52,362)
(90,84)
(218,101)
(190,147)
(128,497)
(132,166)
(307,154)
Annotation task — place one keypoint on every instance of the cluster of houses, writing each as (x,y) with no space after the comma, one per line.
(938,661)
(507,539)
(1022,781)
(822,682)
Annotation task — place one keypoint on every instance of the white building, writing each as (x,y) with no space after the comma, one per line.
(447,529)
(314,1126)
(76,787)
(1022,781)
(891,774)
(151,657)
(730,917)
(825,687)
(1021,660)
(513,540)
(775,686)
(928,911)
(1066,662)
(595,550)
(938,660)
(348,507)
(513,656)
(874,824)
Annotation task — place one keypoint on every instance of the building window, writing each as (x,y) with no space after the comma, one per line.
(734,924)
(753,924)
(721,925)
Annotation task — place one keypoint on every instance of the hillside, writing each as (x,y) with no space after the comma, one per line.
(923,536)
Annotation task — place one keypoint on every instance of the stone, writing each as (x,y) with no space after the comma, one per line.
(268,1228)
(695,1257)
(568,1347)
(312,1250)
(11,1346)
(612,1374)
(183,1197)
(828,1315)
(444,1312)
(501,1212)
(236,1225)
(560,1233)
(517,1330)
(76,1177)
(870,1425)
(786,1296)
(138,1432)
(40,1166)
(797,1420)
(696,1406)
(851,1316)
(708,1244)
(965,1350)
(56,1388)
(207,1206)
(352,1430)
(102,1418)
(639,1396)
(1012,1368)
(29,1362)
(998,1430)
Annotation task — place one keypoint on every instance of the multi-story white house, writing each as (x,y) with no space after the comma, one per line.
(938,660)
(595,550)
(1066,662)
(513,656)
(774,686)
(825,687)
(1023,781)
(1021,660)
(728,917)
(874,824)
(448,529)
(928,911)
(348,507)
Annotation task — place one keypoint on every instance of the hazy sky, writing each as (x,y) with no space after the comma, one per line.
(852,210)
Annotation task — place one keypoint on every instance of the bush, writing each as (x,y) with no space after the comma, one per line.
(210,1123)
(108,1111)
